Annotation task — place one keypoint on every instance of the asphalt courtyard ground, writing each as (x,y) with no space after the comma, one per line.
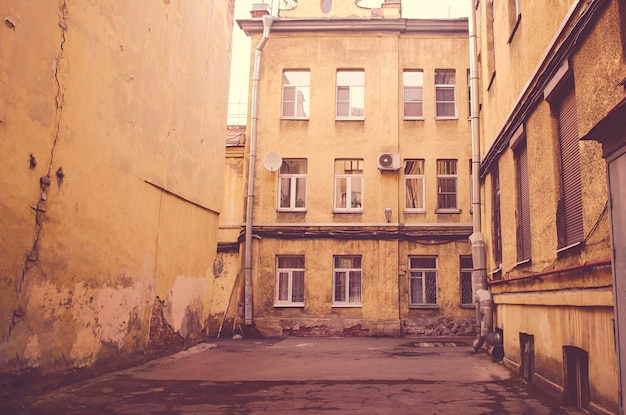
(304,375)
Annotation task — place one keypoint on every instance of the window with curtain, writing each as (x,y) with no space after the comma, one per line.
(413,92)
(445,93)
(422,281)
(290,281)
(447,185)
(347,280)
(414,193)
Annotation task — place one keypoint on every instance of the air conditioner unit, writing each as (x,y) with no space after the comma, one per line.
(389,161)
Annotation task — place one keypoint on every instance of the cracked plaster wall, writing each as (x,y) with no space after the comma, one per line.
(112,118)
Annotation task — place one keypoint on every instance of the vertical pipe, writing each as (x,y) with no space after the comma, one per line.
(267,23)
(483,300)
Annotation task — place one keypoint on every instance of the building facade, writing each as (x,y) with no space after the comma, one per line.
(111,124)
(546,79)
(359,144)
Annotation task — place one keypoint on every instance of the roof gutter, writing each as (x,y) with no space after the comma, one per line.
(267,23)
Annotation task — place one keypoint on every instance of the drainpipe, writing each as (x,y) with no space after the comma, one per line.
(267,23)
(483,300)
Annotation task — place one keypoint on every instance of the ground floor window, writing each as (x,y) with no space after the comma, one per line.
(347,280)
(290,280)
(467,294)
(422,281)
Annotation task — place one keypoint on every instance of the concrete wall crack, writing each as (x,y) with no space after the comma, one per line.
(32,258)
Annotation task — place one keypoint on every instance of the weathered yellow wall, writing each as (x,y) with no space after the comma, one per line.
(123,108)
(321,139)
(569,308)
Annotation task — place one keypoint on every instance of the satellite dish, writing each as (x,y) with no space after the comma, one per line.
(272,161)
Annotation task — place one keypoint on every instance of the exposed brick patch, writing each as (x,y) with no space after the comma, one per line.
(162,337)
(442,326)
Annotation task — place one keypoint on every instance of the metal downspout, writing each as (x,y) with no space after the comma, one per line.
(483,299)
(267,23)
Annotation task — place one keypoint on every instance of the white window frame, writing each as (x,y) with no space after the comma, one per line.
(348,273)
(421,179)
(445,176)
(353,88)
(406,85)
(290,284)
(305,89)
(293,195)
(348,177)
(442,87)
(420,274)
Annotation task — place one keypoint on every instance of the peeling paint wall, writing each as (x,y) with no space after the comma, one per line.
(111,124)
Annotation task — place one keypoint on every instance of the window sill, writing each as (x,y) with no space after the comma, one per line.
(291,305)
(572,247)
(294,119)
(424,306)
(353,305)
(453,211)
(348,211)
(283,210)
(522,263)
(414,211)
(446,118)
(413,118)
(349,118)
(468,306)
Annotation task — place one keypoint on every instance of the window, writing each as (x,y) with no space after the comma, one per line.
(350,95)
(292,185)
(347,281)
(290,281)
(523,203)
(296,94)
(467,293)
(496,228)
(445,93)
(413,82)
(422,281)
(469,94)
(349,185)
(414,194)
(570,208)
(446,186)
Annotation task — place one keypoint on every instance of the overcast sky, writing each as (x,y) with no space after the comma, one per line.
(240,71)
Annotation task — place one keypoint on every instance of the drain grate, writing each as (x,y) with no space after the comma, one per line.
(435,344)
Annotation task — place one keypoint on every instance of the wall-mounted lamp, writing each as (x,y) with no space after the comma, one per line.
(388,214)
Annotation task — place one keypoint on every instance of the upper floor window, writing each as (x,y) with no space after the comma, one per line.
(347,280)
(349,185)
(523,202)
(414,194)
(296,93)
(447,185)
(422,281)
(413,83)
(290,280)
(350,95)
(292,185)
(445,93)
(496,225)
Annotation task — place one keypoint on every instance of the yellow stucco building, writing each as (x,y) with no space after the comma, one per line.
(111,123)
(548,74)
(359,142)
